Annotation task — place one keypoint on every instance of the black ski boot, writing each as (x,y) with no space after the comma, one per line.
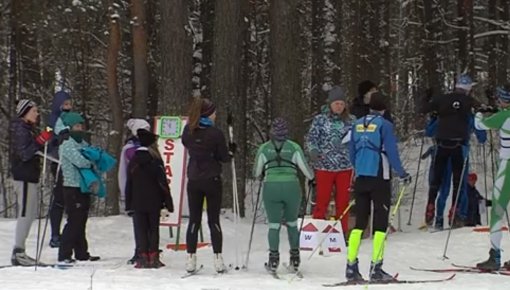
(274,261)
(352,272)
(55,242)
(439,224)
(506,265)
(378,274)
(295,260)
(133,260)
(493,263)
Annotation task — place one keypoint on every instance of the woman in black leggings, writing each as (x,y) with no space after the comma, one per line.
(207,148)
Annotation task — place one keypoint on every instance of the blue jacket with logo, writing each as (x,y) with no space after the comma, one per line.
(373,147)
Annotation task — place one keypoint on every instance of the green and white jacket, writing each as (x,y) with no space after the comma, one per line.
(501,122)
(281,167)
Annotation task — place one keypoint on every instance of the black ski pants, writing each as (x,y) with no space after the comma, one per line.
(456,151)
(376,190)
(76,205)
(57,204)
(147,230)
(198,190)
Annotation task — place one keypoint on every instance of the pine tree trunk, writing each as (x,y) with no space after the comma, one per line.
(285,65)
(176,58)
(115,139)
(141,73)
(225,84)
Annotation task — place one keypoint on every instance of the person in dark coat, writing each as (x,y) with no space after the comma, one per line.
(61,103)
(454,127)
(25,171)
(360,105)
(147,192)
(474,199)
(207,149)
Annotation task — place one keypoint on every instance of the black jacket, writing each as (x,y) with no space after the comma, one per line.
(25,164)
(146,186)
(207,149)
(454,111)
(360,109)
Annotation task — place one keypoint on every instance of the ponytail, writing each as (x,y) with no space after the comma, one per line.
(194,114)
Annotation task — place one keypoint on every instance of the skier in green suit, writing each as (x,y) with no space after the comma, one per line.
(278,162)
(501,190)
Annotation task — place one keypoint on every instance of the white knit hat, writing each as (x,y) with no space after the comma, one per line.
(135,124)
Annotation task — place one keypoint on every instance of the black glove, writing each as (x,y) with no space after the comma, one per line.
(312,183)
(130,212)
(232,148)
(488,202)
(406,178)
(62,136)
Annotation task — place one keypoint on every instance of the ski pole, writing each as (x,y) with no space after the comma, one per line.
(245,266)
(455,206)
(52,200)
(38,248)
(332,227)
(416,180)
(307,199)
(390,221)
(235,197)
(346,210)
(485,180)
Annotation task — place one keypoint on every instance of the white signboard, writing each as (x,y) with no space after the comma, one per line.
(175,158)
(315,230)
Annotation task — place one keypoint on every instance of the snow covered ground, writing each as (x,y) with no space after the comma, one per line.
(111,238)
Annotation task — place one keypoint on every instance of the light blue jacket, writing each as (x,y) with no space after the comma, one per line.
(72,160)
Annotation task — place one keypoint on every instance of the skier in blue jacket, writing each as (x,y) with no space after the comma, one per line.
(373,150)
(444,191)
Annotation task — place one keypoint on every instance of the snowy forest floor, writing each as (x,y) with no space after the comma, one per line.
(112,239)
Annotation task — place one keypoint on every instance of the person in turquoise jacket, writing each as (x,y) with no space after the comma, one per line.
(278,162)
(76,204)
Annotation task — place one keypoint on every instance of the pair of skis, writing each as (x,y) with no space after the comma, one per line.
(464,269)
(395,280)
(201,267)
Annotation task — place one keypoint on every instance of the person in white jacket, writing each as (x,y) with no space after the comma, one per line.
(128,151)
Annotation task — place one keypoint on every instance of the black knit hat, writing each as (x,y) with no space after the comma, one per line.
(365,86)
(378,102)
(146,138)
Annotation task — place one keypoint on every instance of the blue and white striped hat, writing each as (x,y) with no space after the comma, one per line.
(464,82)
(503,94)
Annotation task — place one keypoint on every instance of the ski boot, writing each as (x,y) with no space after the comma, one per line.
(295,260)
(273,262)
(55,242)
(378,274)
(429,214)
(439,224)
(493,263)
(154,261)
(191,263)
(459,222)
(507,265)
(20,258)
(143,261)
(132,261)
(352,272)
(219,266)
